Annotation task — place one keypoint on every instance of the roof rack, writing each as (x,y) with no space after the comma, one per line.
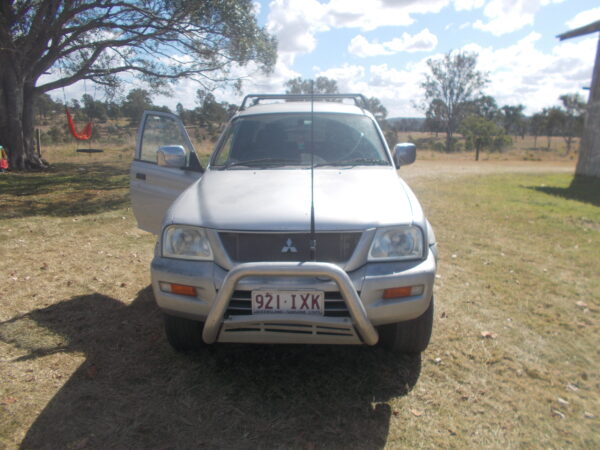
(359,99)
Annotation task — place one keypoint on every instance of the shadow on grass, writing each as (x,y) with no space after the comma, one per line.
(134,391)
(64,190)
(582,188)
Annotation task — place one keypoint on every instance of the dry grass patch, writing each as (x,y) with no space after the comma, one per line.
(85,363)
(515,270)
(521,149)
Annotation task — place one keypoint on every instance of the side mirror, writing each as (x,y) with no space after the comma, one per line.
(404,154)
(171,156)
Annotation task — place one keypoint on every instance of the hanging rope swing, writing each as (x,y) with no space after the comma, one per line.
(86,133)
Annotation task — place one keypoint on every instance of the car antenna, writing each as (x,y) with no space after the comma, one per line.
(313,240)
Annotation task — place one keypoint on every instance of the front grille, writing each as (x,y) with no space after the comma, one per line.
(241,304)
(256,247)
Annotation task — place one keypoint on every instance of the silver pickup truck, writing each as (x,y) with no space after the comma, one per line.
(299,231)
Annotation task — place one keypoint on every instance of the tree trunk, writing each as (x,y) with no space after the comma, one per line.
(569,142)
(588,162)
(448,140)
(17,118)
(477,148)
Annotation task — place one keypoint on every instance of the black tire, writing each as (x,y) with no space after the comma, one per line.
(183,334)
(408,337)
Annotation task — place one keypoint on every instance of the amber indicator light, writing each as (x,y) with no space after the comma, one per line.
(398,292)
(182,289)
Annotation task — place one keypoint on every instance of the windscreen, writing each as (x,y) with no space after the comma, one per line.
(288,139)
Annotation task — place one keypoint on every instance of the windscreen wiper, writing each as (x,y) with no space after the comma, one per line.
(266,162)
(355,162)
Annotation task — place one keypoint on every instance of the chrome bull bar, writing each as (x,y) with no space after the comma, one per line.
(357,310)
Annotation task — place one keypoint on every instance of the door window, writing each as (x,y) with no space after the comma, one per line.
(161,130)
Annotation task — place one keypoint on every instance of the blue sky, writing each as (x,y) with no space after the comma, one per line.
(380,47)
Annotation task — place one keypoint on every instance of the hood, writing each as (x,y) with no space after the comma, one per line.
(279,200)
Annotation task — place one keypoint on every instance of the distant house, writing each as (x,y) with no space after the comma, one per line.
(588,162)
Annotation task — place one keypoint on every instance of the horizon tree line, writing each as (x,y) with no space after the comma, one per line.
(480,115)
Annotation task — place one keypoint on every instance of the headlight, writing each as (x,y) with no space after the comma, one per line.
(398,243)
(186,243)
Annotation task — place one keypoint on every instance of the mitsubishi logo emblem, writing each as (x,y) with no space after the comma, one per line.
(289,247)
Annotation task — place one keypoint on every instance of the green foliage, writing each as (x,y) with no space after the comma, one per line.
(442,147)
(211,114)
(94,109)
(439,147)
(322,85)
(553,118)
(45,106)
(434,116)
(55,135)
(536,126)
(158,42)
(137,101)
(565,121)
(572,125)
(513,119)
(484,106)
(455,145)
(481,134)
(451,87)
(501,142)
(376,108)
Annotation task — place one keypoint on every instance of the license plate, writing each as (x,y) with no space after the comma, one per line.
(288,302)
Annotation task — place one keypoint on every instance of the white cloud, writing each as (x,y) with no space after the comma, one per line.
(396,89)
(296,23)
(519,73)
(506,16)
(369,15)
(257,82)
(523,74)
(422,41)
(344,75)
(254,81)
(584,18)
(466,5)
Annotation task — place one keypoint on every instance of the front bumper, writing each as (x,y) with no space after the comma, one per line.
(366,310)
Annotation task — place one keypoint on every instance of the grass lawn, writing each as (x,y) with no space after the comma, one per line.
(513,362)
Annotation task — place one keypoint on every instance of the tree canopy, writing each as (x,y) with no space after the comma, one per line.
(322,85)
(137,101)
(452,84)
(481,133)
(574,108)
(157,41)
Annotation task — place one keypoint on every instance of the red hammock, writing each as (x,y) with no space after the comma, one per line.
(85,134)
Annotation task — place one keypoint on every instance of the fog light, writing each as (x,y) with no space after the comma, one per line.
(404,291)
(180,289)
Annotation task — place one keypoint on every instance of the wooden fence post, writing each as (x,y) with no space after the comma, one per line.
(38,142)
